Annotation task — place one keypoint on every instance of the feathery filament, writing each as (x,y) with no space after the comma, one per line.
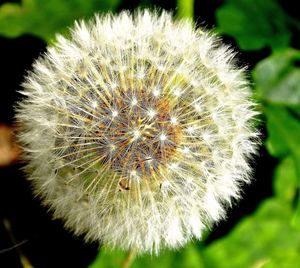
(137,130)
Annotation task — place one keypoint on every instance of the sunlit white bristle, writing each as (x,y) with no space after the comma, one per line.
(156,92)
(114,113)
(173,120)
(134,102)
(151,113)
(94,104)
(162,137)
(137,130)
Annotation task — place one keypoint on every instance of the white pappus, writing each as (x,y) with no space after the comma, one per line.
(137,130)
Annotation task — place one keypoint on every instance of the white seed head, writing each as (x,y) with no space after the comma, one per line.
(104,148)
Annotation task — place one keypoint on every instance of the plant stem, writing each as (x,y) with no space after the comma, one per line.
(185,9)
(16,246)
(128,259)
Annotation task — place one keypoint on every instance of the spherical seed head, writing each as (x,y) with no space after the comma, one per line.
(137,130)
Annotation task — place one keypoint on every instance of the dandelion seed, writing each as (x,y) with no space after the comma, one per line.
(116,159)
(186,150)
(190,129)
(177,92)
(174,166)
(198,107)
(114,113)
(112,147)
(156,92)
(162,137)
(94,104)
(136,134)
(134,102)
(173,120)
(151,113)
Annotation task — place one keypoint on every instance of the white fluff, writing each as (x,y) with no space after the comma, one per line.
(137,130)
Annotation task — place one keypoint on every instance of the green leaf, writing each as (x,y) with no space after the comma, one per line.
(265,239)
(108,259)
(254,24)
(284,140)
(187,257)
(45,18)
(277,79)
(285,181)
(283,130)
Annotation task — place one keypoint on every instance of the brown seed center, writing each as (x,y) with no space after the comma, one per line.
(140,134)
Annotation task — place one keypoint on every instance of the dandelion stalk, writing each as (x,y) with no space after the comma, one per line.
(128,259)
(185,9)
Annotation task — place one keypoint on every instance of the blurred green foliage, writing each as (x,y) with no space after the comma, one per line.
(264,239)
(187,257)
(45,18)
(270,237)
(254,23)
(277,78)
(285,181)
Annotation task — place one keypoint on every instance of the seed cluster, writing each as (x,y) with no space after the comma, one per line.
(137,130)
(137,140)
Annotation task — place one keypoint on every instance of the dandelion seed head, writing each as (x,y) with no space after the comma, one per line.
(137,130)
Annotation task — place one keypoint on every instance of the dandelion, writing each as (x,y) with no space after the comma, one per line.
(137,130)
